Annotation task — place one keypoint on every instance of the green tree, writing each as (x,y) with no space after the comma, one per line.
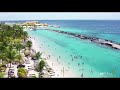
(3,57)
(11,55)
(2,74)
(19,58)
(18,47)
(22,73)
(29,44)
(2,48)
(38,55)
(41,65)
(25,35)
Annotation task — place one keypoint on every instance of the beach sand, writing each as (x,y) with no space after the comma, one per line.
(58,68)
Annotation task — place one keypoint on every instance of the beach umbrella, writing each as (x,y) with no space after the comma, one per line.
(22,61)
(22,54)
(27,52)
(26,48)
(33,55)
(25,58)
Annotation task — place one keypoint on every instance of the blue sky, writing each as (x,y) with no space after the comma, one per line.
(59,16)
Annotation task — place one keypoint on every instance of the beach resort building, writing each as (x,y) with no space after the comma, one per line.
(34,23)
(31,25)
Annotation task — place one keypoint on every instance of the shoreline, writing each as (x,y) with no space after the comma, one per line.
(58,69)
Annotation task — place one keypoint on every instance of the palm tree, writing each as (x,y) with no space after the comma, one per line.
(25,35)
(17,31)
(3,57)
(10,48)
(18,47)
(40,66)
(11,55)
(19,57)
(29,44)
(38,55)
(2,48)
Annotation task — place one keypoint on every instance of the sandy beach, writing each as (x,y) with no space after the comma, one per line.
(56,66)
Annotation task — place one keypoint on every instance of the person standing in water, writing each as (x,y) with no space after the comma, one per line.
(81,56)
(82,75)
(72,59)
(59,56)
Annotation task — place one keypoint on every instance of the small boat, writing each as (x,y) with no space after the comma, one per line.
(55,26)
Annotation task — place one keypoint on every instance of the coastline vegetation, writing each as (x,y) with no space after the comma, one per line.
(11,39)
(14,46)
(22,73)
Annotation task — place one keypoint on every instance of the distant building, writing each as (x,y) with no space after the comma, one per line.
(34,23)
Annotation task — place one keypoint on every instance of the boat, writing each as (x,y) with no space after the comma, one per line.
(55,26)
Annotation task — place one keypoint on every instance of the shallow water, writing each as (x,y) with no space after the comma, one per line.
(96,60)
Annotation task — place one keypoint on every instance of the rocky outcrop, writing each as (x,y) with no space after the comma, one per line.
(108,43)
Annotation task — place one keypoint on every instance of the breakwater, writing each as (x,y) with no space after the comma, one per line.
(92,39)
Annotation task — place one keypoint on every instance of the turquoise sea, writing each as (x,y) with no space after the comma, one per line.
(81,56)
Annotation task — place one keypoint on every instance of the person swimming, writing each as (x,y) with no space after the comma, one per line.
(59,56)
(83,69)
(82,75)
(91,71)
(72,59)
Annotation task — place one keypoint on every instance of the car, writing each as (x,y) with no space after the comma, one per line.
(20,66)
(30,68)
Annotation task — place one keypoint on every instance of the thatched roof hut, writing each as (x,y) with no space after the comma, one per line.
(27,52)
(33,55)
